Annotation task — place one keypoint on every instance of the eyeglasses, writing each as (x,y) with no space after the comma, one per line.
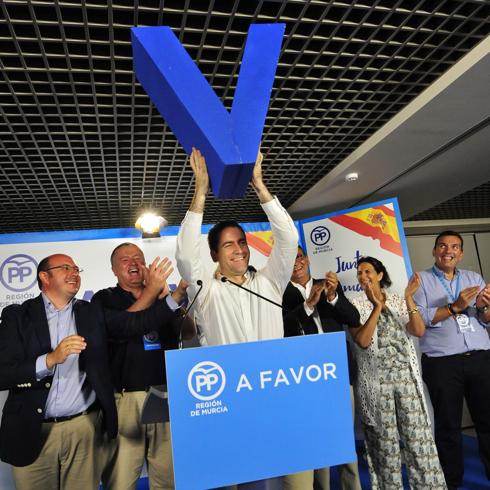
(66,268)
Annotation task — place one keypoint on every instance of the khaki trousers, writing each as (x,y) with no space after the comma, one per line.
(135,444)
(348,474)
(69,458)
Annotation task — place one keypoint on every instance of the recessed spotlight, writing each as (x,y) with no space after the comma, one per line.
(352,177)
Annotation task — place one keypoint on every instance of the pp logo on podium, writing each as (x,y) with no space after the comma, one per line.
(206,380)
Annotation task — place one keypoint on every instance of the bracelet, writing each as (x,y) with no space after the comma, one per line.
(412,312)
(483,309)
(450,309)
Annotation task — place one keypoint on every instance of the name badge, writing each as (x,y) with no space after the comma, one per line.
(464,323)
(151,341)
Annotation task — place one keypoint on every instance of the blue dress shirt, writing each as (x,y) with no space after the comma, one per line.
(70,392)
(445,338)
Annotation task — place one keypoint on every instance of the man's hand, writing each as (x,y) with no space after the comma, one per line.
(331,283)
(483,299)
(73,344)
(257,179)
(465,298)
(258,182)
(316,292)
(180,291)
(198,164)
(156,277)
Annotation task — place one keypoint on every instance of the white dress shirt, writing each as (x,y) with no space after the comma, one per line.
(225,313)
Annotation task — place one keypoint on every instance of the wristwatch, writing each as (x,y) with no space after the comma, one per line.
(483,309)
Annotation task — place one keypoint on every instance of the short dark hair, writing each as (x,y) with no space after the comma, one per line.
(121,245)
(43,266)
(378,267)
(214,233)
(449,233)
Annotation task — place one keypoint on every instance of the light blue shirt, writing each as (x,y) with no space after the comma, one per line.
(70,392)
(445,338)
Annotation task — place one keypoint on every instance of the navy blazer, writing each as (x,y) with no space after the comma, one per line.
(24,336)
(332,318)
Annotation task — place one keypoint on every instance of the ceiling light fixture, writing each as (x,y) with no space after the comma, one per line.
(352,177)
(150,224)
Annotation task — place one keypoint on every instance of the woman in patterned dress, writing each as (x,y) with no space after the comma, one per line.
(389,391)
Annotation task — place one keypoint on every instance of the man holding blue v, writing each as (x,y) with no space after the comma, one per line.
(226,313)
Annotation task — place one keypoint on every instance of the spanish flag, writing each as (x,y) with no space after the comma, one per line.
(262,241)
(378,222)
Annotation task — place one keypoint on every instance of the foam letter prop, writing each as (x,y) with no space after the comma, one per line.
(229,140)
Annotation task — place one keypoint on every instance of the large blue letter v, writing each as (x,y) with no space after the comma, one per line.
(228,140)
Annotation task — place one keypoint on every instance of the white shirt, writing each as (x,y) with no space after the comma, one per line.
(225,313)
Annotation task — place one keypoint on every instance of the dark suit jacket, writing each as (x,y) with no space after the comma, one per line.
(24,336)
(332,317)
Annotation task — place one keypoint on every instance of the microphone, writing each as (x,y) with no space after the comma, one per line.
(181,326)
(225,279)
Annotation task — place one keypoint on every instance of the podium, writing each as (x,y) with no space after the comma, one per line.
(251,411)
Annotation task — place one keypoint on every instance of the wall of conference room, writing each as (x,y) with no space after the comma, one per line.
(476,258)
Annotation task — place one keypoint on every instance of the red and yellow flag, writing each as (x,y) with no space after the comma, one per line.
(262,241)
(378,222)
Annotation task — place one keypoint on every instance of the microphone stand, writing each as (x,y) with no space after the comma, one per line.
(181,326)
(225,279)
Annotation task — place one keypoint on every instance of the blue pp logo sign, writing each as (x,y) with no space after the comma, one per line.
(320,235)
(18,272)
(206,380)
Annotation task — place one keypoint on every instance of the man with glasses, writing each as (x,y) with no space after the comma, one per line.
(53,361)
(313,306)
(455,306)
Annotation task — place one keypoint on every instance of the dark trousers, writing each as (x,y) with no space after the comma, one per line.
(450,379)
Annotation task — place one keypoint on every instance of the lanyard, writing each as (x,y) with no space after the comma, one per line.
(443,282)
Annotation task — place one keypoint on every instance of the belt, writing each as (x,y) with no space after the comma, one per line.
(131,390)
(471,353)
(461,354)
(64,418)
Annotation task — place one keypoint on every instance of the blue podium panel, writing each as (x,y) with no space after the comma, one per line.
(245,412)
(197,117)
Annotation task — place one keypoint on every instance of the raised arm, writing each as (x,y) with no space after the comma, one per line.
(415,325)
(280,265)
(188,251)
(363,335)
(198,164)
(258,182)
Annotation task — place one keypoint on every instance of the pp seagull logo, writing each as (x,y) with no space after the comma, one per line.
(206,380)
(18,272)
